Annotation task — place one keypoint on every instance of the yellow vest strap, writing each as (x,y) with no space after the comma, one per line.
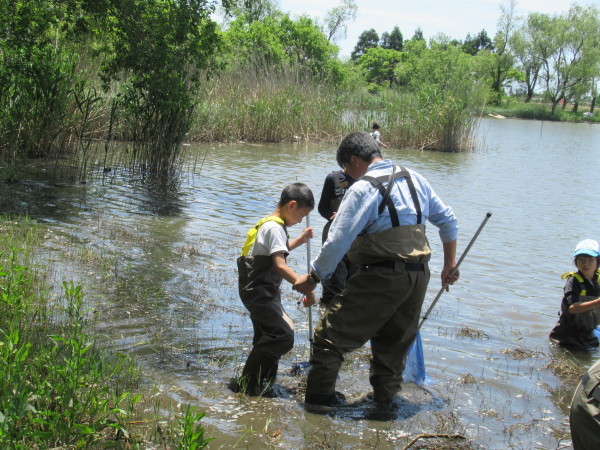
(579,278)
(253,232)
(566,275)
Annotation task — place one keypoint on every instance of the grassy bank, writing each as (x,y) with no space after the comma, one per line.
(59,387)
(541,111)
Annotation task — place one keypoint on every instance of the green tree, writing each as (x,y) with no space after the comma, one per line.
(442,84)
(367,39)
(594,88)
(378,65)
(586,34)
(157,50)
(251,10)
(280,40)
(336,20)
(418,36)
(500,62)
(38,77)
(444,66)
(393,40)
(570,52)
(473,45)
(529,47)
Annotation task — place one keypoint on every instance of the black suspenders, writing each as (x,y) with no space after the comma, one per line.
(385,192)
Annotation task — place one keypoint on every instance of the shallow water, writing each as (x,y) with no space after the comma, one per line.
(158,263)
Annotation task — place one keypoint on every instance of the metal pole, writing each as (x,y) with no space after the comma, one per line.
(310,325)
(437,297)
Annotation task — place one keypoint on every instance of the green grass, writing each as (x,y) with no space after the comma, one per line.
(59,387)
(542,111)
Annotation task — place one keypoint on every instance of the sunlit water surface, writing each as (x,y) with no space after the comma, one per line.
(158,263)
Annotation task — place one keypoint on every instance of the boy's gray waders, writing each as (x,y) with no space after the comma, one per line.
(259,288)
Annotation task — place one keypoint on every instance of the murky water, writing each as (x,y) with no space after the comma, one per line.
(158,262)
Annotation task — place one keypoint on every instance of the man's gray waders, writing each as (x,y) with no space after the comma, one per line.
(585,411)
(259,288)
(381,302)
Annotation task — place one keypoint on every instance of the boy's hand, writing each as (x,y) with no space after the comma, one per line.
(309,300)
(307,233)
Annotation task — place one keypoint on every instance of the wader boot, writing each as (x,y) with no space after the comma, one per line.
(273,331)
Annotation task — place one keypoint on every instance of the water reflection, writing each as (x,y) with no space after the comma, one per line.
(166,285)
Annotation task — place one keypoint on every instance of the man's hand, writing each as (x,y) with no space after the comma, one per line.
(449,277)
(304,285)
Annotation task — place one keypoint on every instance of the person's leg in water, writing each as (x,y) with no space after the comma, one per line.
(273,338)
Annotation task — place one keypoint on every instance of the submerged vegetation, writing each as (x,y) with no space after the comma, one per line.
(59,387)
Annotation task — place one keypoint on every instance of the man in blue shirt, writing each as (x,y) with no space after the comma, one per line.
(381,226)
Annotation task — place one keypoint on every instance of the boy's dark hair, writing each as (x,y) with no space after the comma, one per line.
(357,144)
(298,192)
(375,126)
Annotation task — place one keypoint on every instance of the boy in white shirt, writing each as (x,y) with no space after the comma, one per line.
(260,277)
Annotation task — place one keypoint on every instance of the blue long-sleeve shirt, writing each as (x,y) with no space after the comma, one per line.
(359,212)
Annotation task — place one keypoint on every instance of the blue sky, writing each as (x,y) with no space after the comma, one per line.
(455,18)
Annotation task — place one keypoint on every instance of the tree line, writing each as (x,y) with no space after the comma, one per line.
(554,55)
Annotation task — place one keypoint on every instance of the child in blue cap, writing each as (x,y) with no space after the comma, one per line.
(579,314)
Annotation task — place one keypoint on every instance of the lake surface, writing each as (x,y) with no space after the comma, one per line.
(158,263)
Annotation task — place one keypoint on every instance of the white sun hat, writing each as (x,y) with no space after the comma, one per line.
(587,247)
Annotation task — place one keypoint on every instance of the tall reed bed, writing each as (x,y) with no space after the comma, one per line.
(266,105)
(261,105)
(59,388)
(426,119)
(64,110)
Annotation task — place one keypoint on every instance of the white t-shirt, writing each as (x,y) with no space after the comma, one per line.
(271,239)
(376,135)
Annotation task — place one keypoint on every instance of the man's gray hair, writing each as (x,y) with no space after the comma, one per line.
(359,144)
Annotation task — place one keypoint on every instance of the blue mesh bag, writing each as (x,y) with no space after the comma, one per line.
(415,363)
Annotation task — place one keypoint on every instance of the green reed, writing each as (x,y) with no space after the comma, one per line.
(190,435)
(265,105)
(268,105)
(64,111)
